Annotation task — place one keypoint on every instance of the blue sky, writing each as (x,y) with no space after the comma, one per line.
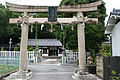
(110,4)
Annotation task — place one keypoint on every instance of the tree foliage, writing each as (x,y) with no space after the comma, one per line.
(94,33)
(75,2)
(7,30)
(4,16)
(106,50)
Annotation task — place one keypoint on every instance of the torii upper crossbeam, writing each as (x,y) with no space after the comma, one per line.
(42,9)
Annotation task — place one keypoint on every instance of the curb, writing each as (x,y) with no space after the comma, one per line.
(6,74)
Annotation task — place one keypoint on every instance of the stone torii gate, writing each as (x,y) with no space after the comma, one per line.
(79,20)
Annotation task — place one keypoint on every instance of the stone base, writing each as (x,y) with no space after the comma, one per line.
(76,76)
(84,76)
(17,76)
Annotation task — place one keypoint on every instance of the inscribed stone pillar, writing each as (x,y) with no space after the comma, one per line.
(23,45)
(81,43)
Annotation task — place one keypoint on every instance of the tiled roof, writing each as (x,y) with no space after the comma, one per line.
(114,18)
(115,12)
(44,42)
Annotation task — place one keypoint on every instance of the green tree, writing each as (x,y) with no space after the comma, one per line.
(105,50)
(75,2)
(4,19)
(7,30)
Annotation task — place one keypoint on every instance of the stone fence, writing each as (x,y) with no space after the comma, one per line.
(99,66)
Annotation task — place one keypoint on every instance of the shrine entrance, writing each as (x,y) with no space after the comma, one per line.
(53,53)
(80,20)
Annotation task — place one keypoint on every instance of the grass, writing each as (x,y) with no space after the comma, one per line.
(7,68)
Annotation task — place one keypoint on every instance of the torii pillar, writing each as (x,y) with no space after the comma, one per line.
(81,43)
(23,44)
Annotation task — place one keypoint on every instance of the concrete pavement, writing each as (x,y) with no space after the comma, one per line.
(52,71)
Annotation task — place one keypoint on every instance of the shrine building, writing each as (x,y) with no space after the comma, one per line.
(47,47)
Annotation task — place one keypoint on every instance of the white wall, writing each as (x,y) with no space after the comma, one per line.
(116,40)
(44,54)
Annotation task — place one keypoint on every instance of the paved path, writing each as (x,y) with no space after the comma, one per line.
(52,71)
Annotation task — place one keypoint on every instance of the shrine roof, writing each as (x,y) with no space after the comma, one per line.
(45,42)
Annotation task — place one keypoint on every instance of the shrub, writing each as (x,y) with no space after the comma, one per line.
(2,49)
(30,48)
(106,50)
(115,76)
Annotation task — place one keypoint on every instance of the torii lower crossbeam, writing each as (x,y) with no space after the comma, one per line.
(59,20)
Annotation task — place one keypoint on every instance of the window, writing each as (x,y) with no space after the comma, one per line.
(44,51)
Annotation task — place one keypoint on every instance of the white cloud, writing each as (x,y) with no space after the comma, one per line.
(11,1)
(41,2)
(34,2)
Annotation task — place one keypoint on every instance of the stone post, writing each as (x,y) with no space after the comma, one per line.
(23,45)
(81,43)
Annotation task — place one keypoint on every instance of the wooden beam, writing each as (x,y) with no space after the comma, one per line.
(74,8)
(59,20)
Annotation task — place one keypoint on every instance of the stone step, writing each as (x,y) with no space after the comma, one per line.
(76,76)
(50,61)
(51,57)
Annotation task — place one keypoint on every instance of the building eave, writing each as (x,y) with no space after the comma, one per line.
(110,24)
(114,18)
(45,42)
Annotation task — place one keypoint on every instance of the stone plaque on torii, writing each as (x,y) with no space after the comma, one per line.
(79,20)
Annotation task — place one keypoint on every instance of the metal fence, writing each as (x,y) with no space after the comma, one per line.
(12,57)
(71,57)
